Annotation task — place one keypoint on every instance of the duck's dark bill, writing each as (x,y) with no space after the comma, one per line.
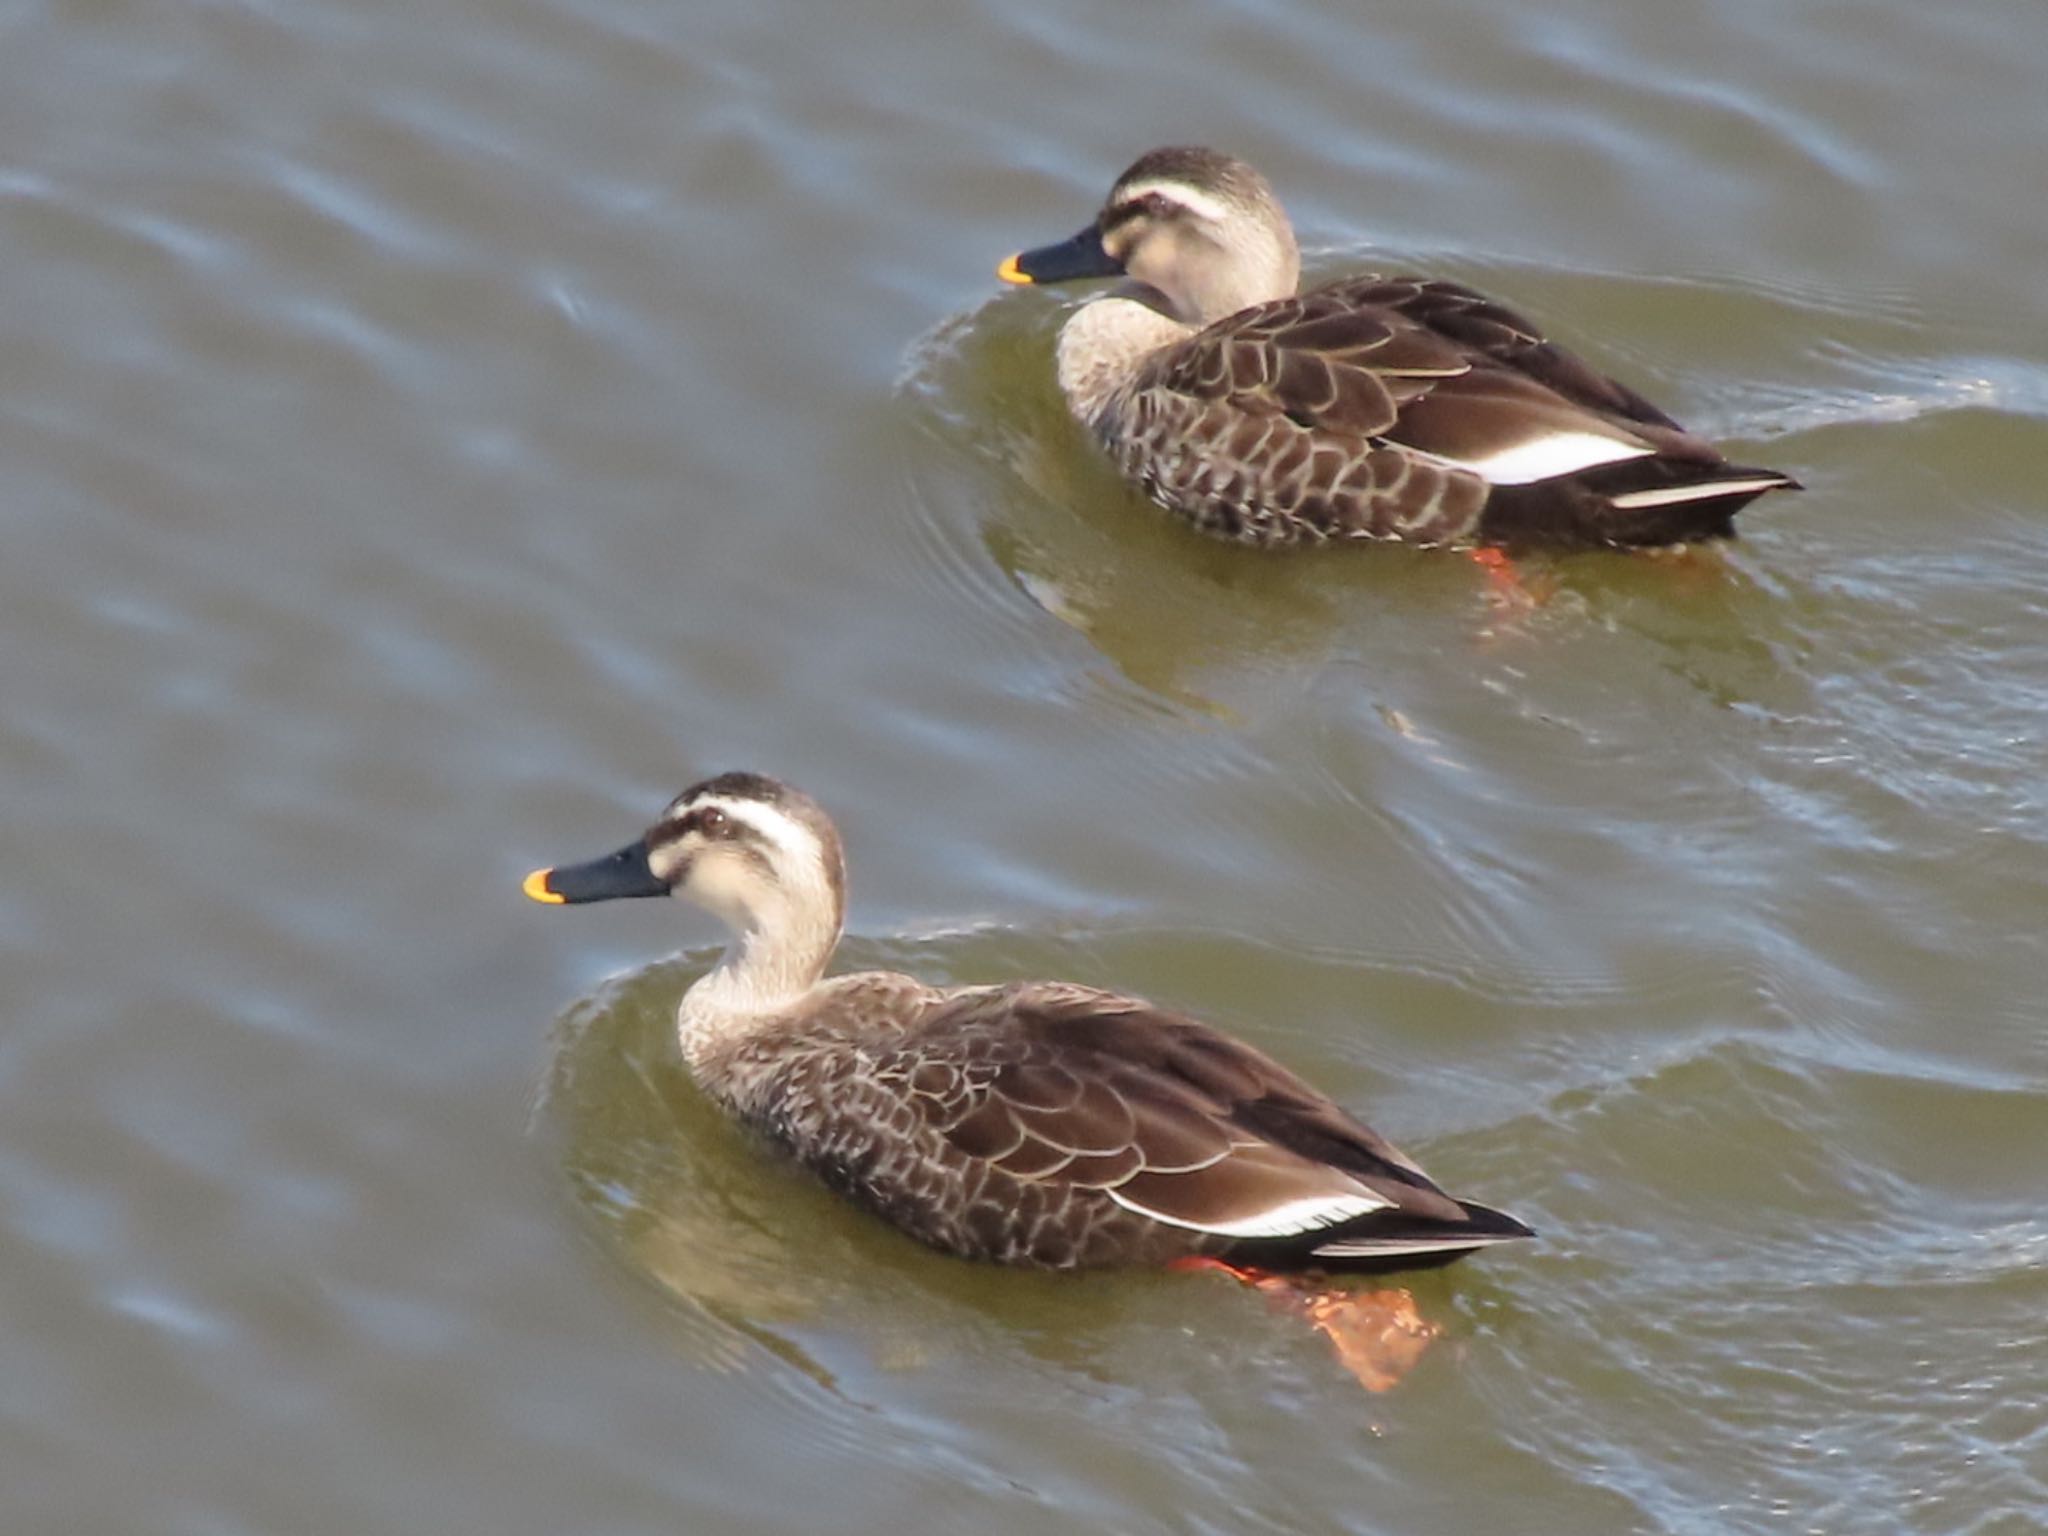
(625,873)
(1082,256)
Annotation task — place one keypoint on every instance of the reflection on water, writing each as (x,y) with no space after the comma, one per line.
(667,1179)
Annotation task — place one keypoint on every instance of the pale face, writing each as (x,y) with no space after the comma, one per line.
(737,856)
(733,844)
(1161,234)
(1207,253)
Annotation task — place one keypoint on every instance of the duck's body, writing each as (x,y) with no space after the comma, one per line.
(1056,1126)
(1392,408)
(1037,1123)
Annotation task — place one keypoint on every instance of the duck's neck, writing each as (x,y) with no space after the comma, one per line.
(775,958)
(1105,341)
(1250,263)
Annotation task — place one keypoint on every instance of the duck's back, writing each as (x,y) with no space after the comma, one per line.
(1413,410)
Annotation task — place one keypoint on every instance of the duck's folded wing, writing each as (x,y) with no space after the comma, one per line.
(1470,319)
(1165,1116)
(1321,364)
(1428,367)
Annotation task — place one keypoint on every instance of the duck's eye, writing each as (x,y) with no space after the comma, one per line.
(711,821)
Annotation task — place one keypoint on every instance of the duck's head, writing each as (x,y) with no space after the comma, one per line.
(752,851)
(1199,228)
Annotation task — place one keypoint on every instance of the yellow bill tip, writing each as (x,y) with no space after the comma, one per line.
(1010,272)
(536,888)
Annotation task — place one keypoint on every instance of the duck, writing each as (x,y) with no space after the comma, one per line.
(1389,408)
(1038,1124)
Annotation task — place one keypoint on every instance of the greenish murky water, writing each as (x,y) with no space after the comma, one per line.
(435,433)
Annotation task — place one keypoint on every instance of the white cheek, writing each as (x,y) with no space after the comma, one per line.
(1141,260)
(720,883)
(666,862)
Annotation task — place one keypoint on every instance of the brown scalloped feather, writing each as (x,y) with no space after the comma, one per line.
(1054,1125)
(1336,414)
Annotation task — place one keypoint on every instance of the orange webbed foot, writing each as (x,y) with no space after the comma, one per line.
(1505,585)
(1378,1335)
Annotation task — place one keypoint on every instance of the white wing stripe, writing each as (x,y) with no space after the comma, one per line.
(1671,496)
(1366,1248)
(1277,1221)
(1557,453)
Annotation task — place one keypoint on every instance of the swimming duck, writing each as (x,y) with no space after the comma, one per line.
(1400,408)
(1033,1123)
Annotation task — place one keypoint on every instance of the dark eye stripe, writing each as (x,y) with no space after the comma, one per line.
(707,821)
(1152,205)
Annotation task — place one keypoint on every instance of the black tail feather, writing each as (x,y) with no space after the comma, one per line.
(1485,1219)
(1388,1240)
(1640,503)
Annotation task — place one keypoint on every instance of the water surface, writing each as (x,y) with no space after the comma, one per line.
(435,433)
